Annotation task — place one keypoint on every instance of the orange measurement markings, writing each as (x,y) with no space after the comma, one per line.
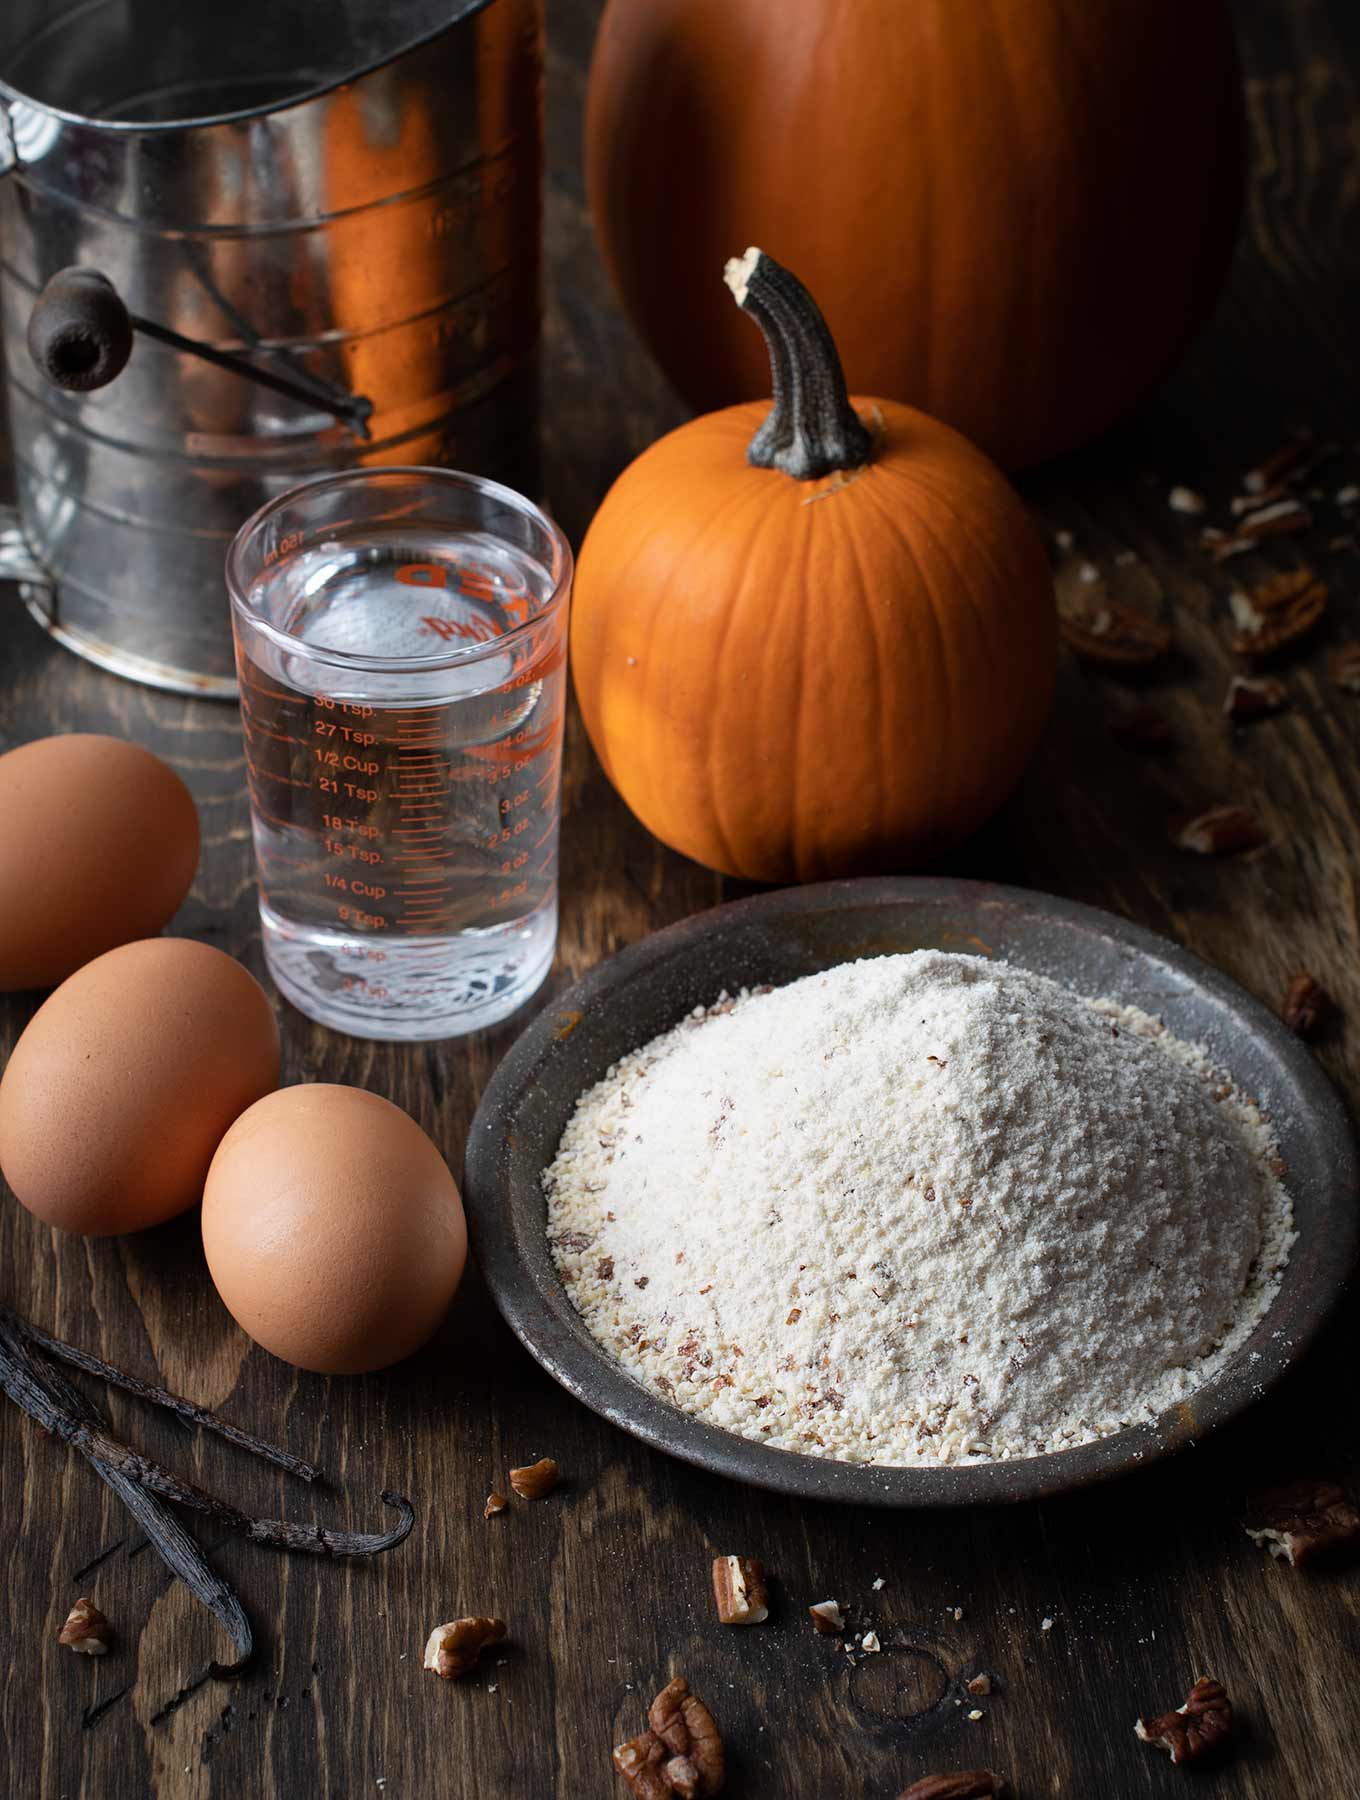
(250,729)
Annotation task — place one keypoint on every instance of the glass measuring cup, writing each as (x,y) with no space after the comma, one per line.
(401,643)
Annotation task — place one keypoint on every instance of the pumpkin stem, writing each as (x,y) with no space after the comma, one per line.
(812,429)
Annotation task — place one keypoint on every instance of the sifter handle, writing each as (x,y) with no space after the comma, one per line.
(80,337)
(79,332)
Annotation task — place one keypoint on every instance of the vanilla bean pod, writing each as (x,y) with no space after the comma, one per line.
(20,1383)
(158,1396)
(172,1543)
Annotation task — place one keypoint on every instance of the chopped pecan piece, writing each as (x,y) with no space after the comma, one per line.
(1221,831)
(1345,667)
(495,1503)
(1275,519)
(827,1617)
(1105,631)
(1194,1728)
(1255,696)
(1304,1004)
(86,1630)
(980,1684)
(452,1649)
(1277,613)
(966,1784)
(536,1479)
(680,1753)
(1285,462)
(740,1591)
(1186,500)
(1303,1520)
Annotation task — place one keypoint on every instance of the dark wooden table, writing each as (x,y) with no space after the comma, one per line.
(605,1586)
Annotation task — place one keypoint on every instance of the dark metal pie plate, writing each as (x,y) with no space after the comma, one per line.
(778,937)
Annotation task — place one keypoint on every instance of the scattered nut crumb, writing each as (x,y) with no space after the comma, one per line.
(980,1684)
(1254,697)
(495,1503)
(1186,500)
(452,1649)
(86,1630)
(1221,831)
(870,1642)
(827,1617)
(1348,495)
(958,1614)
(1089,573)
(740,1591)
(1303,1520)
(680,1752)
(1195,1728)
(878,1583)
(535,1480)
(1045,1624)
(974,1714)
(1296,450)
(1305,1003)
(1065,541)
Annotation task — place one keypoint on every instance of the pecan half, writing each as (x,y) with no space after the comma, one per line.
(536,1479)
(966,1784)
(1303,1520)
(1105,631)
(1305,1002)
(740,1591)
(86,1630)
(1345,667)
(1255,696)
(1221,831)
(1277,613)
(452,1649)
(1195,1728)
(680,1753)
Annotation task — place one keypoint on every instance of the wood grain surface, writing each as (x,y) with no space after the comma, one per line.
(606,1584)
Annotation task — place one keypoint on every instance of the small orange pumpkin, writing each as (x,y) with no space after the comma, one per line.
(813,643)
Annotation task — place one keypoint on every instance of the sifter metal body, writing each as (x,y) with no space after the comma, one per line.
(344,193)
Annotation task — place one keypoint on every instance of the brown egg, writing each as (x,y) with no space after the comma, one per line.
(333,1229)
(119,1092)
(99,848)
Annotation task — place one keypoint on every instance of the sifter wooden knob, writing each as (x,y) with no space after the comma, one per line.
(79,332)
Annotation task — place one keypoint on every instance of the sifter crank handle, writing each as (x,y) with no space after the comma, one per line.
(80,336)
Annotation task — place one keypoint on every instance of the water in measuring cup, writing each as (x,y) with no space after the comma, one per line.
(406,820)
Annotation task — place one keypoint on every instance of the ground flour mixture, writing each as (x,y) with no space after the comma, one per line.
(923,1208)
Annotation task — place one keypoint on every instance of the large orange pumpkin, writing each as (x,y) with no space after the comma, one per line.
(1015,213)
(813,643)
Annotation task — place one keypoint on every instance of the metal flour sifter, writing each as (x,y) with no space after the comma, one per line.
(317,224)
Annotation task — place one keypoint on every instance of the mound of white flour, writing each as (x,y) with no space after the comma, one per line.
(922,1208)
